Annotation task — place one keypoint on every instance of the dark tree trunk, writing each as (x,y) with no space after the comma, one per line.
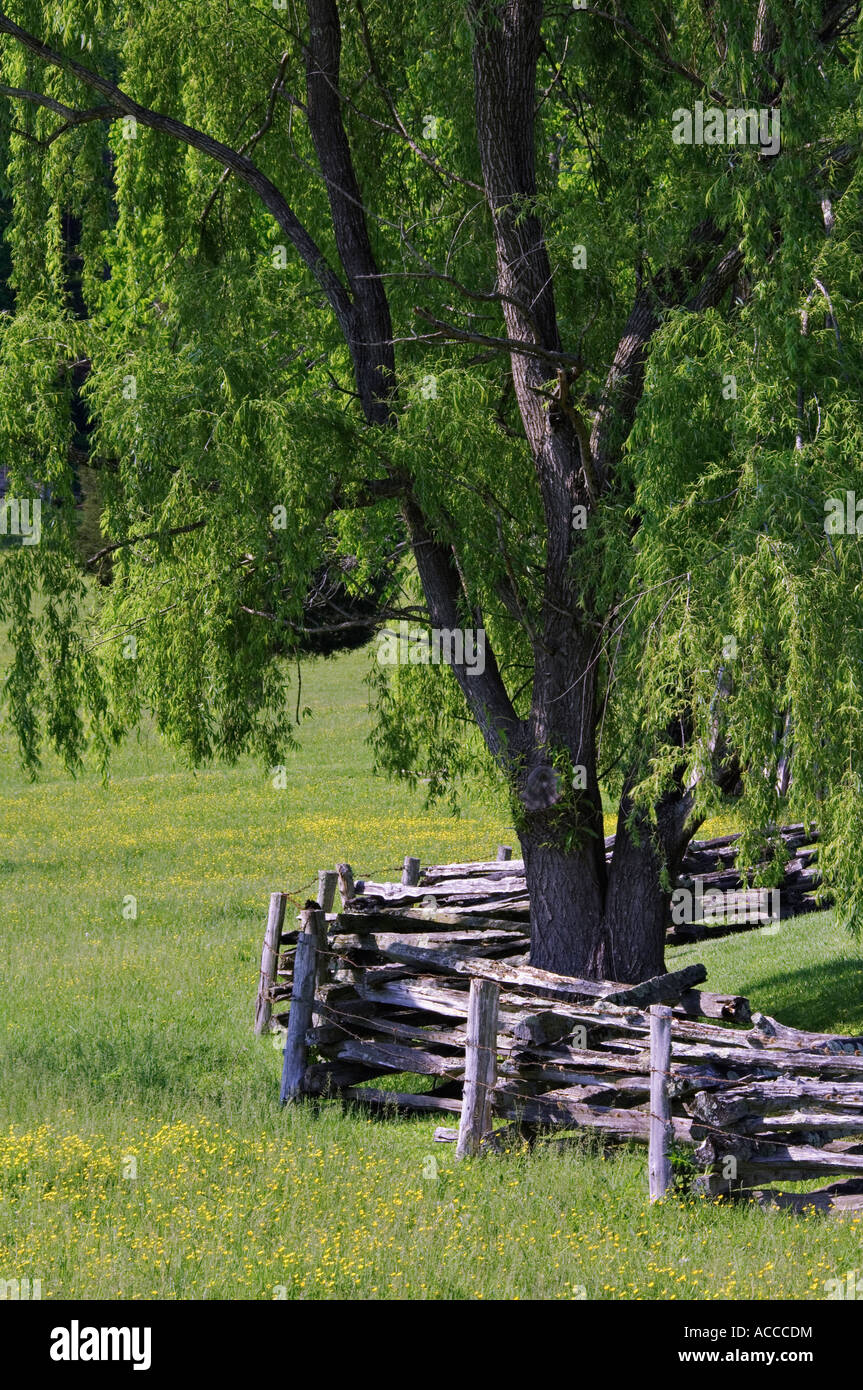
(566,905)
(603,924)
(632,939)
(637,907)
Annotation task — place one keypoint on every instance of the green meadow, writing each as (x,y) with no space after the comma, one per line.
(143,1153)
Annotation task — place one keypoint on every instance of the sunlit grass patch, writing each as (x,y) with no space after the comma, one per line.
(142,1151)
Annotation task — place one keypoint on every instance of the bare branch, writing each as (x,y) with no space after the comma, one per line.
(71,115)
(448,331)
(148,536)
(399,128)
(662,54)
(253,139)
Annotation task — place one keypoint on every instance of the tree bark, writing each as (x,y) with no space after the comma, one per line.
(566,905)
(632,942)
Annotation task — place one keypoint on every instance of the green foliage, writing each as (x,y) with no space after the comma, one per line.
(683,1169)
(153,318)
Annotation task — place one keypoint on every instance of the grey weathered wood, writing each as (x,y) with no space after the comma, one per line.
(333,1024)
(547,1026)
(306,966)
(444,1135)
(817,1127)
(699,1003)
(449,999)
(551,1025)
(502,885)
(400,1100)
(269,961)
(572,1057)
(781,1161)
(779,1034)
(388,1056)
(450,1040)
(547,984)
(819,1064)
(420,992)
(504,852)
(424,920)
(333,1077)
(560,1108)
(659,1157)
(484,886)
(761,1098)
(411,871)
(480,1072)
(477,868)
(380,942)
(327,880)
(836,1199)
(626,1090)
(368,974)
(465,890)
(508,906)
(347,887)
(661,989)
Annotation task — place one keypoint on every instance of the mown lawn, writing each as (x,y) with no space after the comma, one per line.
(142,1152)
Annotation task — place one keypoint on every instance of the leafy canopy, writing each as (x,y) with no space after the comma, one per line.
(158,328)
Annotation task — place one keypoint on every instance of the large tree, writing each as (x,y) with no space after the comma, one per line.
(515,296)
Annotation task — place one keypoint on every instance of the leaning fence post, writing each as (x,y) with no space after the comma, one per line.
(411,871)
(327,880)
(306,962)
(269,961)
(504,852)
(659,1153)
(480,1070)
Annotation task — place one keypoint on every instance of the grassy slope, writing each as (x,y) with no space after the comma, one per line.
(125,1046)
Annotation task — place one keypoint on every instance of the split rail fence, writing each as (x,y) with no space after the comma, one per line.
(391,987)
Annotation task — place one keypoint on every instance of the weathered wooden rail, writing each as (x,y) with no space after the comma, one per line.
(384,988)
(498,886)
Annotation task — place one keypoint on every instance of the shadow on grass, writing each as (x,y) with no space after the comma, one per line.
(813,997)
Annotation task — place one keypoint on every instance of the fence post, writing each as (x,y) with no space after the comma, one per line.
(346,884)
(480,1070)
(327,880)
(306,962)
(504,852)
(269,961)
(411,871)
(661,1130)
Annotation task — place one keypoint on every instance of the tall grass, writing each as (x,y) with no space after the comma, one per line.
(142,1152)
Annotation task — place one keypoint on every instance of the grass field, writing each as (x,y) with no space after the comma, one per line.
(142,1151)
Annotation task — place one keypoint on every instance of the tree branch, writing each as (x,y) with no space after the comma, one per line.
(511,345)
(370,334)
(148,536)
(241,165)
(484,692)
(71,115)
